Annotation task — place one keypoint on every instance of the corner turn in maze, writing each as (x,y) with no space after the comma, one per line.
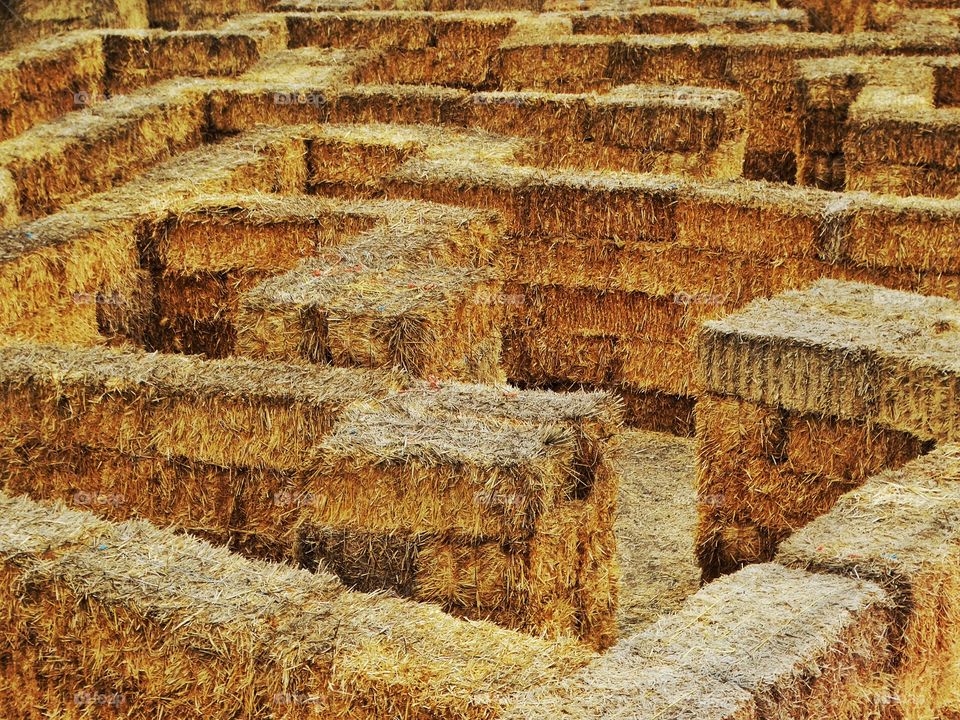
(372,291)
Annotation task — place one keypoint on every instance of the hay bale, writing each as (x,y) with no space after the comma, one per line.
(804,645)
(59,162)
(173,492)
(759,220)
(678,20)
(527,60)
(173,405)
(360,157)
(425,322)
(657,411)
(219,233)
(490,519)
(314,645)
(689,130)
(41,81)
(763,473)
(144,57)
(28,20)
(409,30)
(895,233)
(198,14)
(593,417)
(946,75)
(899,530)
(474,478)
(842,349)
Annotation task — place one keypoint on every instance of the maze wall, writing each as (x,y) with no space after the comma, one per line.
(370,289)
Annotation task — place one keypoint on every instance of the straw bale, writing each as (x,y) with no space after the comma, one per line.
(593,417)
(198,14)
(212,338)
(763,472)
(620,206)
(888,232)
(364,29)
(755,219)
(685,122)
(844,449)
(28,20)
(677,20)
(658,269)
(207,295)
(170,405)
(504,188)
(41,81)
(826,171)
(766,642)
(557,63)
(466,67)
(214,618)
(398,29)
(172,492)
(575,358)
(65,256)
(63,322)
(139,58)
(903,179)
(901,134)
(947,82)
(899,530)
(602,205)
(657,411)
(363,560)
(459,475)
(665,367)
(389,102)
(9,201)
(58,162)
(217,233)
(842,349)
(425,320)
(357,162)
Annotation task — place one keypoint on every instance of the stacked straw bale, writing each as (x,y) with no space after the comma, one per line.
(76,275)
(198,14)
(208,250)
(893,146)
(691,19)
(175,406)
(947,82)
(399,30)
(261,640)
(141,57)
(900,531)
(759,65)
(494,503)
(23,21)
(55,163)
(41,81)
(488,519)
(134,592)
(848,350)
(408,294)
(810,394)
(765,642)
(764,472)
(425,321)
(689,131)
